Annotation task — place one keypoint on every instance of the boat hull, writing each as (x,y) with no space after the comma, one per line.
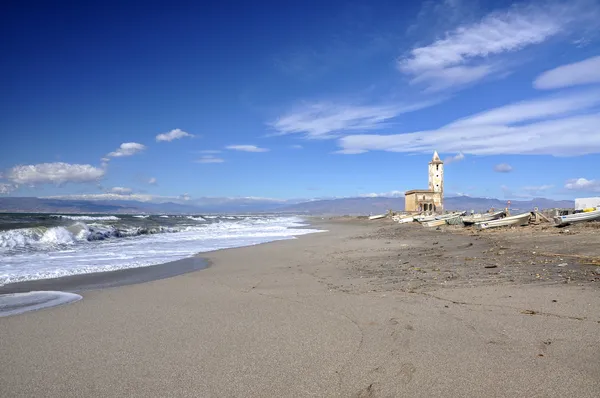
(579,217)
(470,220)
(518,220)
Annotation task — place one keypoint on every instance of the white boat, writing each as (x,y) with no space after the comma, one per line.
(518,220)
(441,220)
(377,216)
(405,220)
(475,218)
(424,218)
(577,217)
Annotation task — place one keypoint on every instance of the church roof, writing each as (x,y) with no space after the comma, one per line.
(436,158)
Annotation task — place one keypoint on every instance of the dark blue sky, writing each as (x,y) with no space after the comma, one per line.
(299,99)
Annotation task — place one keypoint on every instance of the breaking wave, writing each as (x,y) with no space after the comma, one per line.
(87,218)
(42,237)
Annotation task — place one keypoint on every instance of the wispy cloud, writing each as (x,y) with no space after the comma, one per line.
(105,196)
(152,181)
(246,148)
(391,194)
(172,135)
(127,149)
(583,184)
(537,189)
(524,111)
(503,168)
(296,146)
(322,120)
(502,131)
(54,173)
(466,53)
(121,190)
(578,73)
(209,151)
(456,158)
(209,159)
(5,189)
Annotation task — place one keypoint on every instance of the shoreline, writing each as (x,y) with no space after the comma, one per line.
(365,309)
(122,277)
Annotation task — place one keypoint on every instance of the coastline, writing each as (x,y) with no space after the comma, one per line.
(336,314)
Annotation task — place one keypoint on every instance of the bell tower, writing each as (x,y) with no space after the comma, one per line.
(436,176)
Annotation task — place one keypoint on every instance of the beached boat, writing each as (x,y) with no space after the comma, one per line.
(475,218)
(424,218)
(454,220)
(377,216)
(433,223)
(442,220)
(405,220)
(517,220)
(577,217)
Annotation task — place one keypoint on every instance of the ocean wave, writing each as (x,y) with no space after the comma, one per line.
(87,218)
(44,237)
(199,218)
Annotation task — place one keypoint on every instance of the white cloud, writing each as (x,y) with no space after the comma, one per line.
(503,168)
(54,173)
(456,158)
(329,120)
(532,110)
(127,149)
(583,184)
(469,47)
(6,188)
(152,181)
(296,146)
(536,189)
(502,131)
(246,148)
(172,135)
(441,79)
(105,196)
(121,190)
(391,194)
(209,159)
(584,72)
(185,197)
(210,151)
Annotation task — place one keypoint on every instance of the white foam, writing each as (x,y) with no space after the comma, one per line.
(18,303)
(135,250)
(87,218)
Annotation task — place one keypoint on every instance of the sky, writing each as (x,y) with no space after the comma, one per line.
(299,99)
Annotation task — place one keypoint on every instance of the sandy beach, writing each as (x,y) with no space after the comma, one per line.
(367,309)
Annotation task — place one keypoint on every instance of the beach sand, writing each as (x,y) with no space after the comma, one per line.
(367,309)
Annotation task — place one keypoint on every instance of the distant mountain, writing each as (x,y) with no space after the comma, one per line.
(351,206)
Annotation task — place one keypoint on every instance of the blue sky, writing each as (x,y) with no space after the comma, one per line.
(300,99)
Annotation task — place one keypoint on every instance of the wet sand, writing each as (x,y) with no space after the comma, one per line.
(368,309)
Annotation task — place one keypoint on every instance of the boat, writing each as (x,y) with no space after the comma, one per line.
(517,220)
(377,216)
(454,220)
(577,217)
(442,220)
(475,218)
(405,220)
(433,223)
(422,218)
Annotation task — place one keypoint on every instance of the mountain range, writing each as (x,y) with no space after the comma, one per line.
(337,206)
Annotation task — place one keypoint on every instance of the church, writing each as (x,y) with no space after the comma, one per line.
(432,199)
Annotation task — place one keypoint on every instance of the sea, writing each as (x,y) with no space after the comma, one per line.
(43,246)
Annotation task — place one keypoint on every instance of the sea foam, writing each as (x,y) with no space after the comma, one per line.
(18,303)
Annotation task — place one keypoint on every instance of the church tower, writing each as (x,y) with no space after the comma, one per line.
(436,176)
